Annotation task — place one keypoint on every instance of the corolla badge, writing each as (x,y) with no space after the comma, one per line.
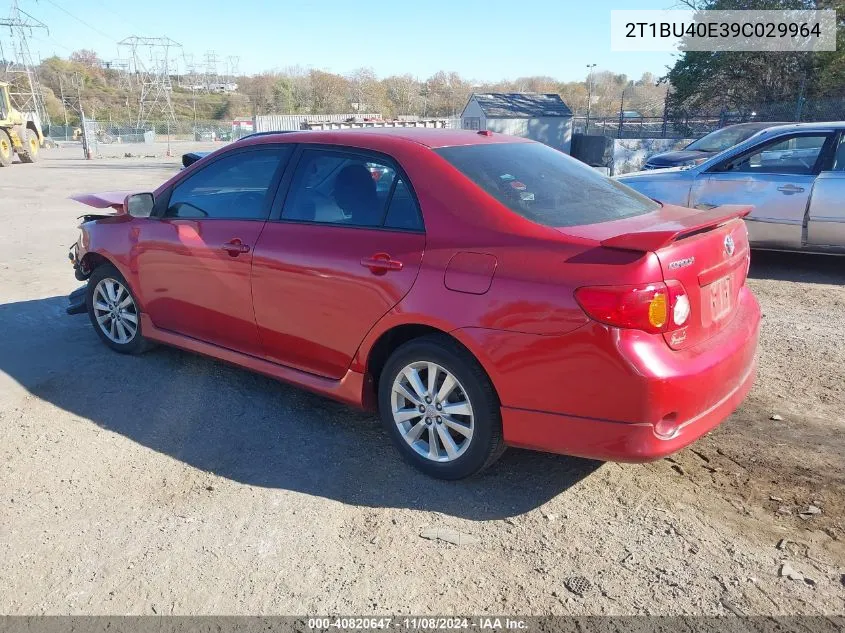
(681,263)
(729,245)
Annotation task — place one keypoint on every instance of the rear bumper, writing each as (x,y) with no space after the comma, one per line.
(602,393)
(614,441)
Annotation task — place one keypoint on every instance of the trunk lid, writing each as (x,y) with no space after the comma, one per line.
(706,251)
(712,265)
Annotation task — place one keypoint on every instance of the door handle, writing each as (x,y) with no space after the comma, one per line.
(235,247)
(380,263)
(789,189)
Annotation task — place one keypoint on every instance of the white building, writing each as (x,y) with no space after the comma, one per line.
(540,117)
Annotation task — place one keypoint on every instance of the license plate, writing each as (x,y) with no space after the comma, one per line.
(720,297)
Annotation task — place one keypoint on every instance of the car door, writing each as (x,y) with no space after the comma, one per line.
(826,213)
(194,257)
(776,177)
(342,249)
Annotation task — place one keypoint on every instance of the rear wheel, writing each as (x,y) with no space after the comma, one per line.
(28,153)
(114,312)
(5,149)
(440,408)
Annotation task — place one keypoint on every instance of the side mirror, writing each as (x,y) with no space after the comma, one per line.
(139,205)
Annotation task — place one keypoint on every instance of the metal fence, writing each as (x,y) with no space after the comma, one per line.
(288,122)
(687,125)
(108,132)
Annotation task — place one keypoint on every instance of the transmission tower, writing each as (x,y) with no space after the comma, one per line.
(212,78)
(151,60)
(18,67)
(232,68)
(122,68)
(192,79)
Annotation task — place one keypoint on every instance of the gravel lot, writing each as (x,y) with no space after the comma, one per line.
(170,483)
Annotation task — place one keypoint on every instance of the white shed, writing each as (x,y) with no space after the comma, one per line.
(540,117)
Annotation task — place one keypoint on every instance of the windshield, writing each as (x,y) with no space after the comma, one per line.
(721,140)
(546,186)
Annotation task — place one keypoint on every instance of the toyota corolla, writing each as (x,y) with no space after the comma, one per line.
(478,290)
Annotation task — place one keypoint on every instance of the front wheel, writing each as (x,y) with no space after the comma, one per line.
(5,148)
(28,153)
(114,312)
(440,409)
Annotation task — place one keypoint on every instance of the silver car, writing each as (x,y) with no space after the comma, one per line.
(793,176)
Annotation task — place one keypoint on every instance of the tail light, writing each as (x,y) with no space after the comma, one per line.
(656,307)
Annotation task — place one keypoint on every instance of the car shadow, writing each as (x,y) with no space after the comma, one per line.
(800,267)
(250,428)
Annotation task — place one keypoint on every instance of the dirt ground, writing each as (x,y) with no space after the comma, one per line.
(173,484)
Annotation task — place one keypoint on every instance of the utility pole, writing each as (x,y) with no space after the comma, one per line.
(800,103)
(622,110)
(86,143)
(64,105)
(589,95)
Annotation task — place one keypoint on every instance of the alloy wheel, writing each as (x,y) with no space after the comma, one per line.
(432,411)
(115,311)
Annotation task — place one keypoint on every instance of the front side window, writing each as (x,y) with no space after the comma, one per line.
(546,186)
(346,189)
(233,187)
(784,155)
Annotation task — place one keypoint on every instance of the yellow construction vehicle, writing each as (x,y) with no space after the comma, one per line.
(17,133)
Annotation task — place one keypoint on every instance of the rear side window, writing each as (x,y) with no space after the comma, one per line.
(403,212)
(350,189)
(545,185)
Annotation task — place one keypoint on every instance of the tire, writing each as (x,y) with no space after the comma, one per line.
(472,392)
(6,150)
(117,330)
(28,153)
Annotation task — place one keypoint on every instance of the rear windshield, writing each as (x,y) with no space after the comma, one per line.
(545,185)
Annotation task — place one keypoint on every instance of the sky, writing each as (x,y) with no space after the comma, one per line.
(483,40)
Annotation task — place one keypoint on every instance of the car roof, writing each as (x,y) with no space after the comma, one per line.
(752,125)
(806,127)
(430,137)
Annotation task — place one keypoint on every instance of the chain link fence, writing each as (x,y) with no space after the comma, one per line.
(630,124)
(111,131)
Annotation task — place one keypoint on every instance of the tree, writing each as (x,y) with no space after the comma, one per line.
(829,67)
(708,81)
(86,57)
(366,94)
(402,93)
(328,92)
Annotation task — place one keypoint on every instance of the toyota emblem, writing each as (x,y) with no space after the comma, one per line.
(729,245)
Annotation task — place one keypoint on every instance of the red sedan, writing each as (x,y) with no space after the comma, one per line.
(479,290)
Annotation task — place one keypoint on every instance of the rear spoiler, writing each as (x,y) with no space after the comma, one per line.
(660,235)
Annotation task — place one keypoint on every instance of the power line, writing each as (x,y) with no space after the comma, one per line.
(53,42)
(80,20)
(123,18)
